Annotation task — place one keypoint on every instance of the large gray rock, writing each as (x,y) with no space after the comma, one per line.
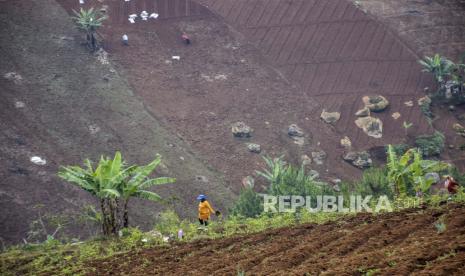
(255,148)
(346,143)
(314,174)
(240,129)
(376,103)
(297,134)
(360,159)
(319,157)
(364,112)
(330,117)
(373,127)
(434,176)
(306,160)
(295,131)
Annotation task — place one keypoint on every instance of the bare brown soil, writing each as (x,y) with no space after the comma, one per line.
(75,107)
(269,63)
(273,63)
(391,244)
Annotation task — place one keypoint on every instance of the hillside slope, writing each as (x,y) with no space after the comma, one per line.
(70,105)
(399,243)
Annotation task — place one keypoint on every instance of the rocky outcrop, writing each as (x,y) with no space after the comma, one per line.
(373,127)
(306,160)
(240,129)
(346,143)
(319,157)
(376,103)
(297,134)
(295,131)
(364,112)
(459,129)
(314,174)
(395,115)
(360,159)
(330,117)
(424,101)
(255,148)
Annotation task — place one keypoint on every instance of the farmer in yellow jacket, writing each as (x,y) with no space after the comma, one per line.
(205,210)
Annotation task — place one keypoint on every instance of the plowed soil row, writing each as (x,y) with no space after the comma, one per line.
(392,244)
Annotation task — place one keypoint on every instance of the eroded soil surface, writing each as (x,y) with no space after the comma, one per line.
(390,244)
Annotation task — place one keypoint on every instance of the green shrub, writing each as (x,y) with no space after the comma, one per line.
(286,179)
(374,182)
(249,204)
(399,149)
(168,222)
(430,145)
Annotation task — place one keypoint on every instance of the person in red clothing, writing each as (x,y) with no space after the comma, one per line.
(186,38)
(451,185)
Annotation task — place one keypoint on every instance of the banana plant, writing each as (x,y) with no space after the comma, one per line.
(89,21)
(410,170)
(138,183)
(439,66)
(114,183)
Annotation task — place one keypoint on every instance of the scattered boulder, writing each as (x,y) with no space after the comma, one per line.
(330,117)
(434,176)
(408,103)
(452,89)
(319,157)
(255,148)
(364,112)
(248,182)
(19,104)
(346,143)
(13,76)
(295,131)
(306,160)
(424,101)
(299,140)
(373,127)
(314,174)
(376,103)
(154,234)
(459,129)
(201,178)
(93,129)
(360,159)
(395,115)
(240,129)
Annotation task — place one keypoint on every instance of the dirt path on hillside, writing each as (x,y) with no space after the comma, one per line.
(391,244)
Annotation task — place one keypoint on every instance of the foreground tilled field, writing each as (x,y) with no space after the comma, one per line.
(391,244)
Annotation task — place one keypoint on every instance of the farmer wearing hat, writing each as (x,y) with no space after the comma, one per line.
(205,210)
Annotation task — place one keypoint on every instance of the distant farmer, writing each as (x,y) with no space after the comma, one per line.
(205,210)
(186,38)
(125,40)
(450,184)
